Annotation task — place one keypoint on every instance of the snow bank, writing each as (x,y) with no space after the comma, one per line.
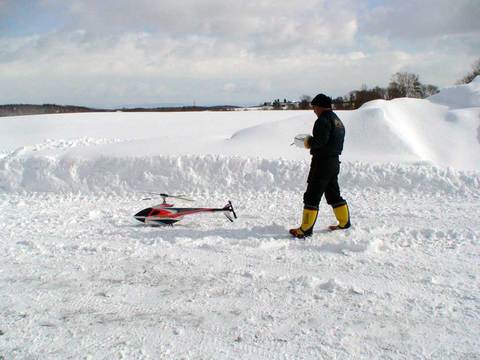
(419,129)
(211,173)
(459,96)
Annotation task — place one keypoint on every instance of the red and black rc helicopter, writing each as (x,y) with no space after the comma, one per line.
(167,214)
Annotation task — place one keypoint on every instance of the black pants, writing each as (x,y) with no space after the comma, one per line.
(323,179)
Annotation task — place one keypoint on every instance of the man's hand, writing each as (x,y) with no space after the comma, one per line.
(306,142)
(302,141)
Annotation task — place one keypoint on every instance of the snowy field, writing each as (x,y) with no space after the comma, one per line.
(82,279)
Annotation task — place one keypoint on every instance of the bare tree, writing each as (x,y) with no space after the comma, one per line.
(359,97)
(342,103)
(428,90)
(304,102)
(404,84)
(475,72)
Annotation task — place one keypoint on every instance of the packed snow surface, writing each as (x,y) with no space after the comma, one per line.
(80,278)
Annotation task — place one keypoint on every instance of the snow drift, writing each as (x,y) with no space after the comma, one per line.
(243,149)
(213,173)
(459,96)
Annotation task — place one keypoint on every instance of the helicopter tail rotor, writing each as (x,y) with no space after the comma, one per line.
(229,208)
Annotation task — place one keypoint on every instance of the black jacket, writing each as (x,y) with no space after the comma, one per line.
(328,136)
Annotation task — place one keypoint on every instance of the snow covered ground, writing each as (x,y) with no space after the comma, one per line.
(80,278)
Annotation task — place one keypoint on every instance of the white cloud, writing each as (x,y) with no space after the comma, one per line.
(229,87)
(254,25)
(411,19)
(216,51)
(377,42)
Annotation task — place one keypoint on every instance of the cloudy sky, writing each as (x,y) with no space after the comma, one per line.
(124,52)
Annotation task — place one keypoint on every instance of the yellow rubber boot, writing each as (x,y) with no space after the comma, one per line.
(308,221)
(343,216)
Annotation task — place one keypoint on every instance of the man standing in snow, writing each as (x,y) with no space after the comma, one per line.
(325,146)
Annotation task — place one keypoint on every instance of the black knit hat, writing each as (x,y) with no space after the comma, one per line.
(322,100)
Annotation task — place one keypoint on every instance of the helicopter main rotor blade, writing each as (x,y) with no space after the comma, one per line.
(180,197)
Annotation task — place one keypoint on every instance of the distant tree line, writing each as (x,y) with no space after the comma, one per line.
(402,84)
(30,109)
